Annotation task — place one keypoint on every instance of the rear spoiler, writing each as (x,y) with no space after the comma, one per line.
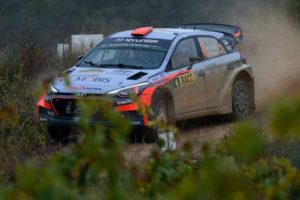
(233,34)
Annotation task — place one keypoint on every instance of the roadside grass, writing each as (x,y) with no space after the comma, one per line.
(20,134)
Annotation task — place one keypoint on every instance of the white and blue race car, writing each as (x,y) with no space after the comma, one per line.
(184,72)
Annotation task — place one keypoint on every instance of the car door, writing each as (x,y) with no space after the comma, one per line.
(188,86)
(215,68)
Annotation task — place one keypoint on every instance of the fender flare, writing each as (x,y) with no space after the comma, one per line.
(226,93)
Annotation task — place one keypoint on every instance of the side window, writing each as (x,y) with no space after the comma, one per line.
(182,53)
(211,47)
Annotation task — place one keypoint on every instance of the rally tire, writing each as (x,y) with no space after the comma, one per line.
(162,110)
(242,100)
(59,134)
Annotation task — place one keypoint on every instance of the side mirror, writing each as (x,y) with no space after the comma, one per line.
(195,59)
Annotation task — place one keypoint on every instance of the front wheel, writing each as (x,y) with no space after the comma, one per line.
(242,100)
(162,113)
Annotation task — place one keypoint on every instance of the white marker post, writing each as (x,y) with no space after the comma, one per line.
(63,50)
(81,44)
(169,141)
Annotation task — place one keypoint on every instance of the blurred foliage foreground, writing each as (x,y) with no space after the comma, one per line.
(243,166)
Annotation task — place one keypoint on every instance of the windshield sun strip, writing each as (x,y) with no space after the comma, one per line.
(132,47)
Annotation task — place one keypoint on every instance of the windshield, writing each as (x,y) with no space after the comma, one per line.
(127,53)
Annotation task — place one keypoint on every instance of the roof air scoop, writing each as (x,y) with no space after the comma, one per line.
(141,32)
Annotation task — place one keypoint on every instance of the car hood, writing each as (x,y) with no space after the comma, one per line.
(99,80)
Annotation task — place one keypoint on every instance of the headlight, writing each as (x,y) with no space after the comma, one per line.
(132,90)
(52,89)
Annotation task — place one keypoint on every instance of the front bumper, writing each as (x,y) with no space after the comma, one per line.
(134,118)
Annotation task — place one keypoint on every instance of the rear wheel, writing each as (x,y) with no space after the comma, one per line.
(242,100)
(59,133)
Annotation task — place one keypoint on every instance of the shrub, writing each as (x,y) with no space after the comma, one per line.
(94,167)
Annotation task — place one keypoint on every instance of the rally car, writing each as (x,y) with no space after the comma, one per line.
(184,72)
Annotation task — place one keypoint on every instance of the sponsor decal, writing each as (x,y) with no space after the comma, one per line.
(136,42)
(86,88)
(120,39)
(145,41)
(155,78)
(91,71)
(80,94)
(121,72)
(185,80)
(102,80)
(158,77)
(59,80)
(93,88)
(91,78)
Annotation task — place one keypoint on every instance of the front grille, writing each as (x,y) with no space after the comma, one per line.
(70,108)
(66,107)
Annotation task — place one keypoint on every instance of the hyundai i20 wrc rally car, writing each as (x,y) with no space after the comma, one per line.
(189,71)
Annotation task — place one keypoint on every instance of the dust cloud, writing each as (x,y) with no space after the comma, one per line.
(271,43)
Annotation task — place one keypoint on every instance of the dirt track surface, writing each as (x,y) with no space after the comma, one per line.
(196,131)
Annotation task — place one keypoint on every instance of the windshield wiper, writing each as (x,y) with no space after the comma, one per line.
(91,63)
(123,66)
